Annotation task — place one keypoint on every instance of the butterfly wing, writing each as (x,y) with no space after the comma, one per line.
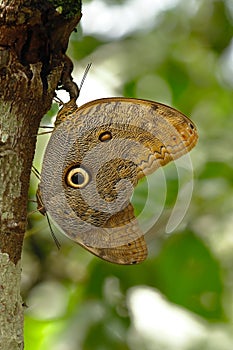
(120,228)
(93,161)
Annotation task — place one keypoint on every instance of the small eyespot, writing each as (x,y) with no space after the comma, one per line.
(77,177)
(105,136)
(191,126)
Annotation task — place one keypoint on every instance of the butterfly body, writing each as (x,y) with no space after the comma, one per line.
(95,157)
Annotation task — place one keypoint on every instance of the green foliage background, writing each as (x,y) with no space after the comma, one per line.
(76,301)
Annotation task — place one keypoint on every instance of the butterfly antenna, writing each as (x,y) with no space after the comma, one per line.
(58,100)
(44,133)
(36,172)
(46,127)
(85,75)
(53,234)
(42,209)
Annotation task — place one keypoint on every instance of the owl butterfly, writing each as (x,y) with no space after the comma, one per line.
(96,155)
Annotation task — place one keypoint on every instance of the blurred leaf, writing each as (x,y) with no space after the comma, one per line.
(217,170)
(189,275)
(80,49)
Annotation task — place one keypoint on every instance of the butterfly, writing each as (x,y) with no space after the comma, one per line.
(95,157)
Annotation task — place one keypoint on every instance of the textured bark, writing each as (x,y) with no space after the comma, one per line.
(33,40)
(10,305)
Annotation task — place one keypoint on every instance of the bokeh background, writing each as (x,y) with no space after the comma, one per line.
(179,53)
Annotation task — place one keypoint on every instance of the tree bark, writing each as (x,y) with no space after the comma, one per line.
(33,40)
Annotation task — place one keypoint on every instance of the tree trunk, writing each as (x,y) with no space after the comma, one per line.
(33,40)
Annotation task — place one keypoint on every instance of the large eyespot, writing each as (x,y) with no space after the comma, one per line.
(105,136)
(77,177)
